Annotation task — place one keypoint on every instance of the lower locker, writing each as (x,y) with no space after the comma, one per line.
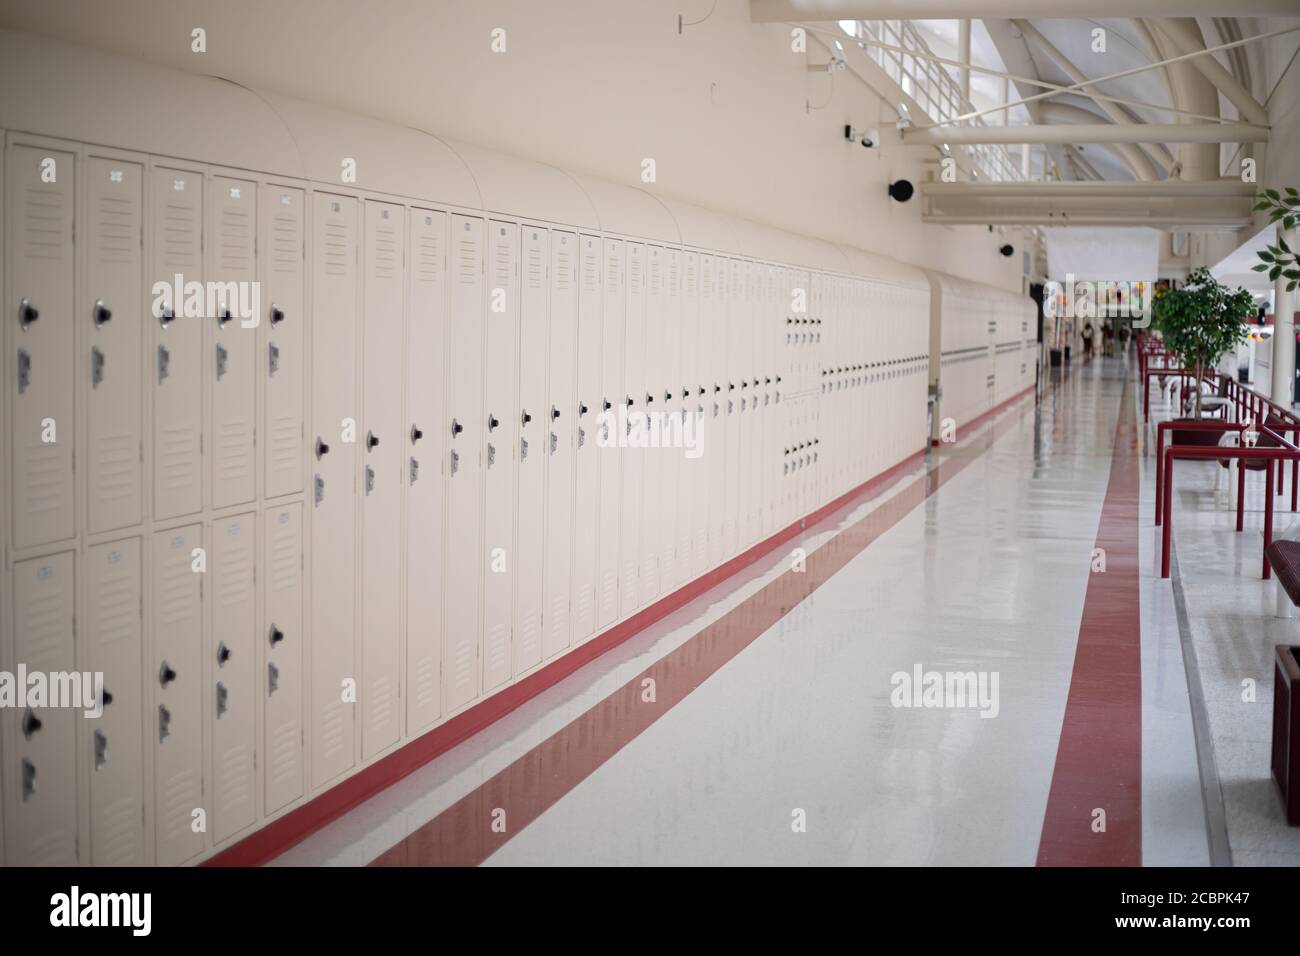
(115,755)
(384,290)
(283,685)
(531,418)
(42,819)
(425,376)
(181,813)
(586,497)
(612,391)
(232,659)
(501,563)
(561,419)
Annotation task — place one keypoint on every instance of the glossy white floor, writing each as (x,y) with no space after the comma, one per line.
(988,573)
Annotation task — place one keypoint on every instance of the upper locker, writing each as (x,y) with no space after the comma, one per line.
(39,202)
(282,245)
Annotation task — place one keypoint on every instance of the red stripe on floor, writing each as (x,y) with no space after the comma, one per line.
(1099,759)
(480,823)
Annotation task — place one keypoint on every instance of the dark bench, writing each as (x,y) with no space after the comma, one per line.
(1285,558)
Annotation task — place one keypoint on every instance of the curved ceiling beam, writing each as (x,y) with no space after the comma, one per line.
(1162,152)
(1186,38)
(1058,112)
(1137,160)
(1197,162)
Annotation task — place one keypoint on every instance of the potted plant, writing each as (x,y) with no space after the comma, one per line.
(1280,259)
(1200,322)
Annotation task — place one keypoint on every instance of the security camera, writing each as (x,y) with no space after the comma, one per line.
(866,138)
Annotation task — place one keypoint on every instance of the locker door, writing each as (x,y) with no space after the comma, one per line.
(737,302)
(613,310)
(114,285)
(587,478)
(670,456)
(176,725)
(335,288)
(746,389)
(716,385)
(282,734)
(533,432)
(232,263)
(177,356)
(42,822)
(633,455)
(115,760)
(382,479)
(690,544)
(41,270)
(283,323)
(651,394)
(425,375)
(562,413)
(502,376)
(462,638)
(233,651)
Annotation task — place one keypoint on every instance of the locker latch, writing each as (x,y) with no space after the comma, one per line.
(372,440)
(416,434)
(31,724)
(492,455)
(277,314)
(27,313)
(523,448)
(582,437)
(223,654)
(96,366)
(166,674)
(101,750)
(100,313)
(223,697)
(273,359)
(277,635)
(415,471)
(164,363)
(24,370)
(223,317)
(272,679)
(370,479)
(166,317)
(29,779)
(164,723)
(456,428)
(554,443)
(222,356)
(320,489)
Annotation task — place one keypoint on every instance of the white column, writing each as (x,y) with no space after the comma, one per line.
(1283,358)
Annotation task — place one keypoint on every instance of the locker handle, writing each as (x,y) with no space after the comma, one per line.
(164,363)
(223,654)
(416,434)
(456,428)
(649,399)
(166,674)
(96,366)
(29,779)
(370,479)
(608,406)
(582,408)
(223,697)
(164,723)
(223,317)
(272,358)
(455,462)
(222,357)
(277,314)
(322,449)
(272,679)
(702,389)
(31,724)
(668,396)
(493,422)
(525,418)
(108,698)
(27,314)
(319,489)
(277,635)
(166,317)
(24,370)
(555,413)
(414,471)
(101,750)
(372,440)
(100,313)
(630,402)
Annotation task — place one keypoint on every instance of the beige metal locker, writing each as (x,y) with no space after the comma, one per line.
(691,548)
(426,441)
(114,643)
(650,398)
(670,455)
(42,821)
(334,677)
(500,562)
(177,673)
(382,478)
(40,201)
(231,270)
(713,326)
(177,354)
(634,405)
(732,371)
(613,311)
(561,415)
(533,431)
(282,685)
(586,498)
(233,666)
(115,290)
(464,543)
(282,269)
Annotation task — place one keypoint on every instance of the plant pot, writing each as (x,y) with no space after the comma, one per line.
(1055,358)
(1192,436)
(1067,355)
(1286,729)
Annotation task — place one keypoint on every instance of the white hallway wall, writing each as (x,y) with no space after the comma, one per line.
(593,86)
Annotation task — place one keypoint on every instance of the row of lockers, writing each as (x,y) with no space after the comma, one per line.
(468,502)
